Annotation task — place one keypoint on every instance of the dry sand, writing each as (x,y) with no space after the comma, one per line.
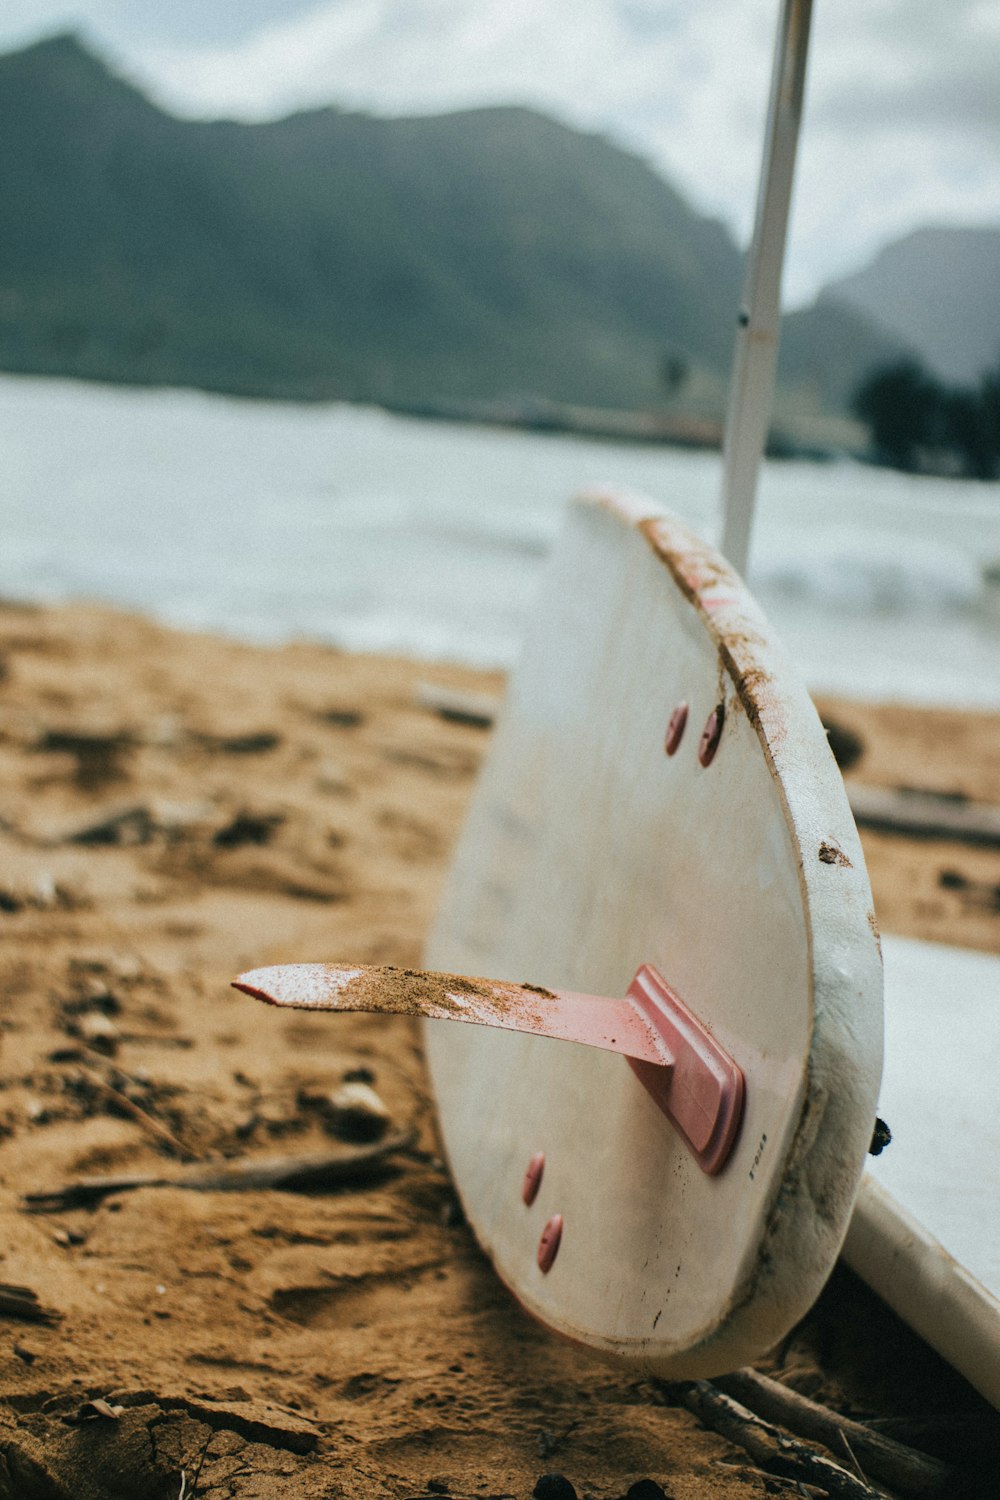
(174,809)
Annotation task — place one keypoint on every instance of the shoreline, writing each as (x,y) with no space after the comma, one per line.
(179,807)
(820,438)
(444,663)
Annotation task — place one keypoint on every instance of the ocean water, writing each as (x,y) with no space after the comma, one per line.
(379,532)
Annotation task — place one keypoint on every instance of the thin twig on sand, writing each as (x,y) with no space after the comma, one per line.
(924,815)
(286,1173)
(141,1117)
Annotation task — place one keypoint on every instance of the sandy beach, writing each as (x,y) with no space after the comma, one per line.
(176,808)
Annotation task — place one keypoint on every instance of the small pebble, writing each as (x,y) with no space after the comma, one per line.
(99,1032)
(356,1112)
(67,1237)
(100,998)
(451,1217)
(359,1075)
(246,1125)
(165,732)
(97,1410)
(332,778)
(554,1487)
(66,1054)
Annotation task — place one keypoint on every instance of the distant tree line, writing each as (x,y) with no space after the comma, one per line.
(920,424)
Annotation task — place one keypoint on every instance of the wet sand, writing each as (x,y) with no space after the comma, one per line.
(177,808)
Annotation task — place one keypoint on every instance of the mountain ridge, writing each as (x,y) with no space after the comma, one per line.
(937,288)
(485,255)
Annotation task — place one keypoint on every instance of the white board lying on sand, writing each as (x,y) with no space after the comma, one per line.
(926,1230)
(589,851)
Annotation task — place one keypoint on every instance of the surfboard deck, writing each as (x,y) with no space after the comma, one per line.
(601,839)
(925,1233)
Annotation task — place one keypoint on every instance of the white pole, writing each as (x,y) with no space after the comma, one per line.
(752,388)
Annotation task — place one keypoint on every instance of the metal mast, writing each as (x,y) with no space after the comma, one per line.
(752,389)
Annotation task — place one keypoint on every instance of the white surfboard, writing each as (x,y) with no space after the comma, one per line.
(589,851)
(661,844)
(926,1230)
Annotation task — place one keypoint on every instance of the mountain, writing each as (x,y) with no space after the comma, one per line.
(486,255)
(827,348)
(490,253)
(937,289)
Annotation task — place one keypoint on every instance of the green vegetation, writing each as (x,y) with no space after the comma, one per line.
(827,348)
(918,423)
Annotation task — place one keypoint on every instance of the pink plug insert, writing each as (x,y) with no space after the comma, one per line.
(691,1077)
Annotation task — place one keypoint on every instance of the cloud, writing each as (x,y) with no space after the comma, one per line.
(901,129)
(684,83)
(137,22)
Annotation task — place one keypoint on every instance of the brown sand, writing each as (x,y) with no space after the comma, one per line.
(176,809)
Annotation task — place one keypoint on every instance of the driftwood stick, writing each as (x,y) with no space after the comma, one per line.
(923,815)
(767,1445)
(283,1173)
(476,709)
(892,1463)
(22,1302)
(960,1435)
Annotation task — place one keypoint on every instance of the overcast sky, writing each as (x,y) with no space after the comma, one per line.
(903,107)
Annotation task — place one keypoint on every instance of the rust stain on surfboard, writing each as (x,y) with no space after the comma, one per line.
(715,589)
